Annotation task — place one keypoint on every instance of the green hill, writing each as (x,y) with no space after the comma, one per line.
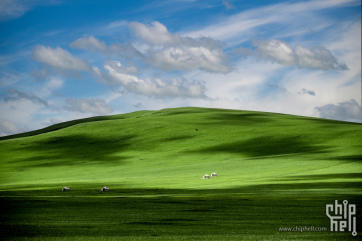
(164,154)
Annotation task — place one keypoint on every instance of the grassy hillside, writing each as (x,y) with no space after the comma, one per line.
(266,158)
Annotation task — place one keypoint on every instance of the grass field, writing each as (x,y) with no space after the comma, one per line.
(274,171)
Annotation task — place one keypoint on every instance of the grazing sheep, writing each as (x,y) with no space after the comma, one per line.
(65,189)
(206,176)
(214,174)
(105,189)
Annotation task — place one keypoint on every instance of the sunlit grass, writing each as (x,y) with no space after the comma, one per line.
(263,157)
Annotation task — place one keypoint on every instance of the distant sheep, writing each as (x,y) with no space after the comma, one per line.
(214,174)
(105,189)
(206,177)
(65,189)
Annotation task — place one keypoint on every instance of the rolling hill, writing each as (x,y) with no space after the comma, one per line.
(272,159)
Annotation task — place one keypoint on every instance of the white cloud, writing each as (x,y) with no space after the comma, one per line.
(154,35)
(178,53)
(276,50)
(59,58)
(346,111)
(316,58)
(150,87)
(90,105)
(89,43)
(116,65)
(8,128)
(94,45)
(187,58)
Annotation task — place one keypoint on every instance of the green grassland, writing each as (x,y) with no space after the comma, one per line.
(274,170)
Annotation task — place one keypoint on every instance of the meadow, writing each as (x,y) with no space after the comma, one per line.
(274,170)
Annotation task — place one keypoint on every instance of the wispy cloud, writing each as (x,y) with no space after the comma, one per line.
(16,95)
(228,5)
(116,24)
(234,28)
(10,9)
(7,79)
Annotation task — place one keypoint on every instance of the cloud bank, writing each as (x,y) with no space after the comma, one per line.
(118,76)
(318,57)
(346,111)
(172,52)
(94,45)
(157,34)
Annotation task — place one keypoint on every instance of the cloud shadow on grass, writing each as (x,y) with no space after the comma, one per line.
(177,138)
(235,119)
(349,158)
(75,150)
(189,110)
(266,146)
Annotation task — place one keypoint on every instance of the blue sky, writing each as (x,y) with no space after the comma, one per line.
(62,60)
